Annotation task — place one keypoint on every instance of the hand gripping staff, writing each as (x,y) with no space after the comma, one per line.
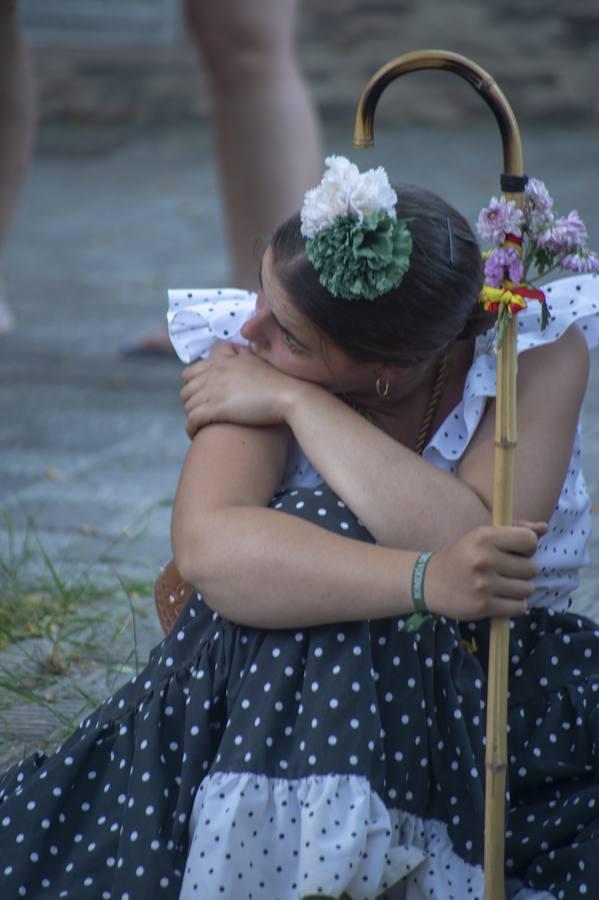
(513,182)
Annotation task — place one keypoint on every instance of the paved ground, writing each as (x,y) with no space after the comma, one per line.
(91,442)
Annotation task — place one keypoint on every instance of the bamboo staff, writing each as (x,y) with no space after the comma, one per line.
(505,427)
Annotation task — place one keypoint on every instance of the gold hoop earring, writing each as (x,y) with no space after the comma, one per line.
(382,391)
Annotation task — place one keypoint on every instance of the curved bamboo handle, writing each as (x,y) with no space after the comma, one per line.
(480,80)
(505,431)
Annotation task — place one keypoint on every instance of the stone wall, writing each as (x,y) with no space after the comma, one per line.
(543,53)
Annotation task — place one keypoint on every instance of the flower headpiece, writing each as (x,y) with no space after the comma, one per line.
(531,239)
(354,239)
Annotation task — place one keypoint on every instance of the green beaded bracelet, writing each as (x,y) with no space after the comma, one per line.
(418,582)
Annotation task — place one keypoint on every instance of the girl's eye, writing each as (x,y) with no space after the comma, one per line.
(291,344)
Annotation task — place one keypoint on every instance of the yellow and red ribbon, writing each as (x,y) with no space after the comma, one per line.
(512,296)
(494,298)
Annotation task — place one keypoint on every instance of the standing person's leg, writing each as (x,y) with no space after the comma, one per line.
(16,125)
(267,134)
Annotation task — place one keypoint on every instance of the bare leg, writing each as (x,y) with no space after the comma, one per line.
(16,124)
(267,134)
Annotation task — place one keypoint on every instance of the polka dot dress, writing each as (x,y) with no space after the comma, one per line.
(247,763)
(552,841)
(335,760)
(345,760)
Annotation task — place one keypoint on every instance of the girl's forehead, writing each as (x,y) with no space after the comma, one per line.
(282,307)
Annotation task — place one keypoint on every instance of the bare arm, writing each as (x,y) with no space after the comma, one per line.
(406,501)
(284,571)
(403,500)
(264,568)
(551,384)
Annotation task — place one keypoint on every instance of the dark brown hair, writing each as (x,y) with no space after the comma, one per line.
(434,305)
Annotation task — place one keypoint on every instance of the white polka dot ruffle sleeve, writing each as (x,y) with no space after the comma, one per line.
(197,319)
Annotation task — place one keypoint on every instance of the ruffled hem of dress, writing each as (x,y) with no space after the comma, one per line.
(322,835)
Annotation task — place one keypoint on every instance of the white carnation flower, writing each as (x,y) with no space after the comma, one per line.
(340,171)
(344,190)
(371,193)
(317,210)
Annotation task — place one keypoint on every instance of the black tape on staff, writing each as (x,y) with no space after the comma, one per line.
(513,184)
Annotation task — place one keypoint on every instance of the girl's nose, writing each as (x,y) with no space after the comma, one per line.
(256,329)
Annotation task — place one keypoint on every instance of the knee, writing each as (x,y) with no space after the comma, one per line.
(237,41)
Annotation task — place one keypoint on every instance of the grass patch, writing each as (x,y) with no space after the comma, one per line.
(47,605)
(66,642)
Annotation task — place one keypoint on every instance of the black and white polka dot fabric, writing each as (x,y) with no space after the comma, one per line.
(331,761)
(553,822)
(198,318)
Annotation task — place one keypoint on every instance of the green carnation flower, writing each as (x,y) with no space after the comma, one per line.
(361,260)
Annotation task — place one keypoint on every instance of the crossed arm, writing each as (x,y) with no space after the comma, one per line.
(264,568)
